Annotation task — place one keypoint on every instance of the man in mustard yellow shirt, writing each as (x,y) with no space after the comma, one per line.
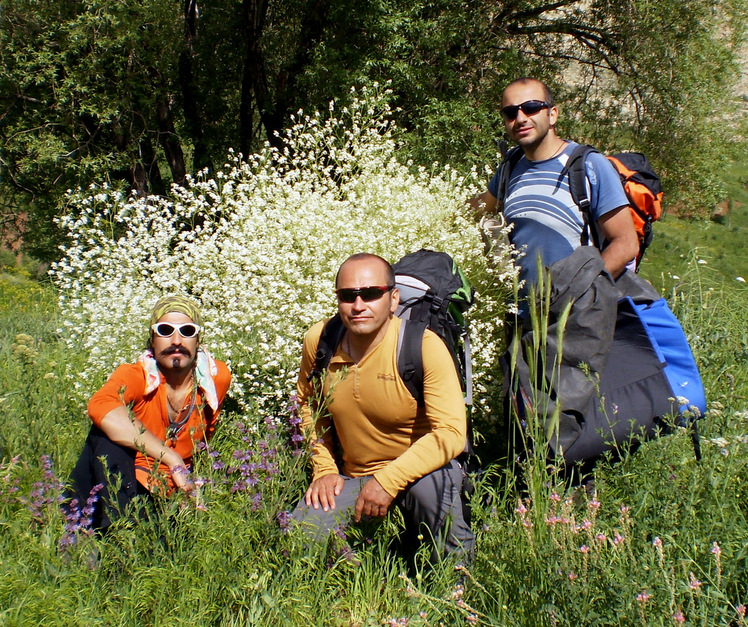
(393,451)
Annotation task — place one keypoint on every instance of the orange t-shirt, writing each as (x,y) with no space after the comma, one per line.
(127,386)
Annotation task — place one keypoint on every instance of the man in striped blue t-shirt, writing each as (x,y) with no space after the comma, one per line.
(547,224)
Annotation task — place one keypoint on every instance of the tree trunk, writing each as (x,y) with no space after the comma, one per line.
(170,142)
(254,78)
(190,97)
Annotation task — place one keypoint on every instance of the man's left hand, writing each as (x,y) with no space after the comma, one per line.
(372,501)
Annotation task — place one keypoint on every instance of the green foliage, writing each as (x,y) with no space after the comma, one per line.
(81,84)
(139,95)
(715,246)
(669,90)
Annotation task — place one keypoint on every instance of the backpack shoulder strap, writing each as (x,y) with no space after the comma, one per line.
(410,357)
(505,171)
(332,334)
(575,168)
(410,368)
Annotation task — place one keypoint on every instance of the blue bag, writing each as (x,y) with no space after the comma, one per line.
(671,345)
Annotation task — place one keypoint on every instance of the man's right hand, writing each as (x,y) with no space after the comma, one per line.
(180,475)
(322,492)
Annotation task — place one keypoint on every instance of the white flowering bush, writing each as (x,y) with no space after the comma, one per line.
(258,243)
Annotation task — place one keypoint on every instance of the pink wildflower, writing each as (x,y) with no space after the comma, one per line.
(619,539)
(584,549)
(694,583)
(587,525)
(601,537)
(716,550)
(678,617)
(594,504)
(572,576)
(740,609)
(657,542)
(555,497)
(643,596)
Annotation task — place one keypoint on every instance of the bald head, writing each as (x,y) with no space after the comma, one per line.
(527,80)
(369,258)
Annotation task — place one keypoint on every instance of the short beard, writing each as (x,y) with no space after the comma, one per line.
(179,352)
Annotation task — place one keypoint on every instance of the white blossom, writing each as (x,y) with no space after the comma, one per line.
(258,246)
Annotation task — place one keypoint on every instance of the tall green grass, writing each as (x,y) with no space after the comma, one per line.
(662,541)
(718,245)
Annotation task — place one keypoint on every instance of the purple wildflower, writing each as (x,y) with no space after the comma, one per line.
(283,519)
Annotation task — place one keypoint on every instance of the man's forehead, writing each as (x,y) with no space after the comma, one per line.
(369,267)
(531,90)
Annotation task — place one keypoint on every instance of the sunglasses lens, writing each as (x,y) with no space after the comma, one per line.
(367,294)
(188,330)
(164,330)
(510,113)
(530,107)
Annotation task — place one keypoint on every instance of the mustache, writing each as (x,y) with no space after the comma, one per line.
(176,350)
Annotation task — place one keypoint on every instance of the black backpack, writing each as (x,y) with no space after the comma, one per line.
(434,294)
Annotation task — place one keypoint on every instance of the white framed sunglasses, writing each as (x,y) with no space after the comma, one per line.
(167,329)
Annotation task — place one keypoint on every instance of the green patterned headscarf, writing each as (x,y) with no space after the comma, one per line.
(176,303)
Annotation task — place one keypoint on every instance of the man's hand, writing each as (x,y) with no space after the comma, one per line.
(373,501)
(180,475)
(322,492)
(483,204)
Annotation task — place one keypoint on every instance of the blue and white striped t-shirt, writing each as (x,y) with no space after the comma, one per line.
(547,222)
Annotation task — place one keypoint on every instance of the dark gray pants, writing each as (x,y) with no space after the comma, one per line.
(433,507)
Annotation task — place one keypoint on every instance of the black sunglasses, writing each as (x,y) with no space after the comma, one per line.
(367,294)
(166,329)
(529,107)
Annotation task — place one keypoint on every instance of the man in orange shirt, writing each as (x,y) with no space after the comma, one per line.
(394,452)
(149,416)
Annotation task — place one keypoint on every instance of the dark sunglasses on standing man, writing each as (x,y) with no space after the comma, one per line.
(367,294)
(529,107)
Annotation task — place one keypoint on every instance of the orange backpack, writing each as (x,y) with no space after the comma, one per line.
(641,184)
(644,191)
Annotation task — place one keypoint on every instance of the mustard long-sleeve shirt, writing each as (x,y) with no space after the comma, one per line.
(381,429)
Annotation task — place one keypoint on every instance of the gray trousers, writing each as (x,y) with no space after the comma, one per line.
(433,508)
